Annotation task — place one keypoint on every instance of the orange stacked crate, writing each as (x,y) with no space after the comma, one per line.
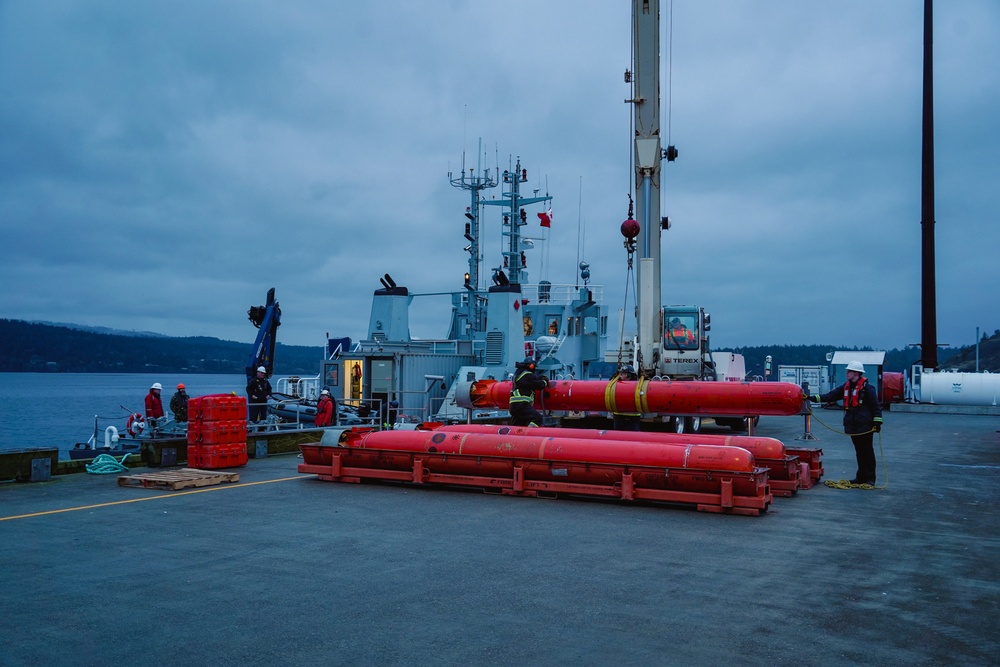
(217,431)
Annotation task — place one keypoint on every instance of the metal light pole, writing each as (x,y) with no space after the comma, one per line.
(928,333)
(977,349)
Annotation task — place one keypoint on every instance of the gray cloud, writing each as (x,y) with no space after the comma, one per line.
(163,165)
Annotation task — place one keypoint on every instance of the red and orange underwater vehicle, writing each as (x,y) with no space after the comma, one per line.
(726,474)
(789,469)
(712,478)
(660,396)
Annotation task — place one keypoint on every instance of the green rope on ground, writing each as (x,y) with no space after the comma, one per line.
(105,464)
(846,484)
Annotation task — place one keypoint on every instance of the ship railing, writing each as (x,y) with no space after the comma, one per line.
(274,422)
(427,345)
(107,430)
(559,294)
(412,407)
(415,407)
(299,387)
(367,410)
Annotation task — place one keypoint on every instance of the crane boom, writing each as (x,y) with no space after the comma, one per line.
(646,108)
(267,319)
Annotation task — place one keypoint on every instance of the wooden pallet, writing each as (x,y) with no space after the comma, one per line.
(178,479)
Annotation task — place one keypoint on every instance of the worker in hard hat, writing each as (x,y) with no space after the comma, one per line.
(258,391)
(154,405)
(522,395)
(862,417)
(678,335)
(179,404)
(325,409)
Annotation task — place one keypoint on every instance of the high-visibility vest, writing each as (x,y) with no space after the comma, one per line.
(515,394)
(854,394)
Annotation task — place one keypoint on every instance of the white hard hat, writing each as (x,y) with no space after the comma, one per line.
(157,385)
(856,366)
(325,392)
(261,369)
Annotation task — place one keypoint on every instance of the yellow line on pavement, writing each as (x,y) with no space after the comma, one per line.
(157,497)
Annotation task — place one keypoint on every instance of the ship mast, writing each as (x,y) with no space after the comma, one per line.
(475,182)
(514,218)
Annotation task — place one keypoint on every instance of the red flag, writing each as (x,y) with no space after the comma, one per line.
(546,218)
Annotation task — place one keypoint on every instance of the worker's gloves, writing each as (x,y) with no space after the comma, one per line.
(878,425)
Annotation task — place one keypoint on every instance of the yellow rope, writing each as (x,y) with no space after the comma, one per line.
(846,484)
(642,394)
(609,395)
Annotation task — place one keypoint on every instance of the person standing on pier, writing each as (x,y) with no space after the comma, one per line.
(154,405)
(179,405)
(325,409)
(862,418)
(258,391)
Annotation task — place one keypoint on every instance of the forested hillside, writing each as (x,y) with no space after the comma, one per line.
(26,346)
(30,347)
(896,360)
(964,359)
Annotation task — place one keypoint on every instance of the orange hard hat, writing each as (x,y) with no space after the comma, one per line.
(180,386)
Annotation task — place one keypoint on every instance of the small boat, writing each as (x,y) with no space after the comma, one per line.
(126,434)
(292,409)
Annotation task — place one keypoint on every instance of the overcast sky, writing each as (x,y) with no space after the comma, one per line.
(162,164)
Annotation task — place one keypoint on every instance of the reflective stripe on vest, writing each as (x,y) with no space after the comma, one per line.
(516,396)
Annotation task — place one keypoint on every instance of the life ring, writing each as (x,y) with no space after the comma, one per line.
(136,423)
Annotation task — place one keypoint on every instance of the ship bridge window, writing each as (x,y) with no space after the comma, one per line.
(332,375)
(554,327)
(529,325)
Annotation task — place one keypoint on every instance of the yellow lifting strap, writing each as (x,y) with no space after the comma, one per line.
(641,404)
(609,395)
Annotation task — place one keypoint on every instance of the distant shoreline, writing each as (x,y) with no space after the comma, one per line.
(29,347)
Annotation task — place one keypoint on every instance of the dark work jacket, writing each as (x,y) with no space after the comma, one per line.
(525,385)
(258,389)
(179,406)
(858,419)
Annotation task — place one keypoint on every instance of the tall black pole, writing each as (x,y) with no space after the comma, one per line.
(928,319)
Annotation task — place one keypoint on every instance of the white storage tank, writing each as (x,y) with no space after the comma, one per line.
(956,388)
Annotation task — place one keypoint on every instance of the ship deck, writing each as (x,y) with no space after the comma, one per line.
(283,569)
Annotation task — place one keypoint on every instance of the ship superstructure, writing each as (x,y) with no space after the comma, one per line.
(393,377)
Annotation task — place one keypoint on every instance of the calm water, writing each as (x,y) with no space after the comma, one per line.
(57,409)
